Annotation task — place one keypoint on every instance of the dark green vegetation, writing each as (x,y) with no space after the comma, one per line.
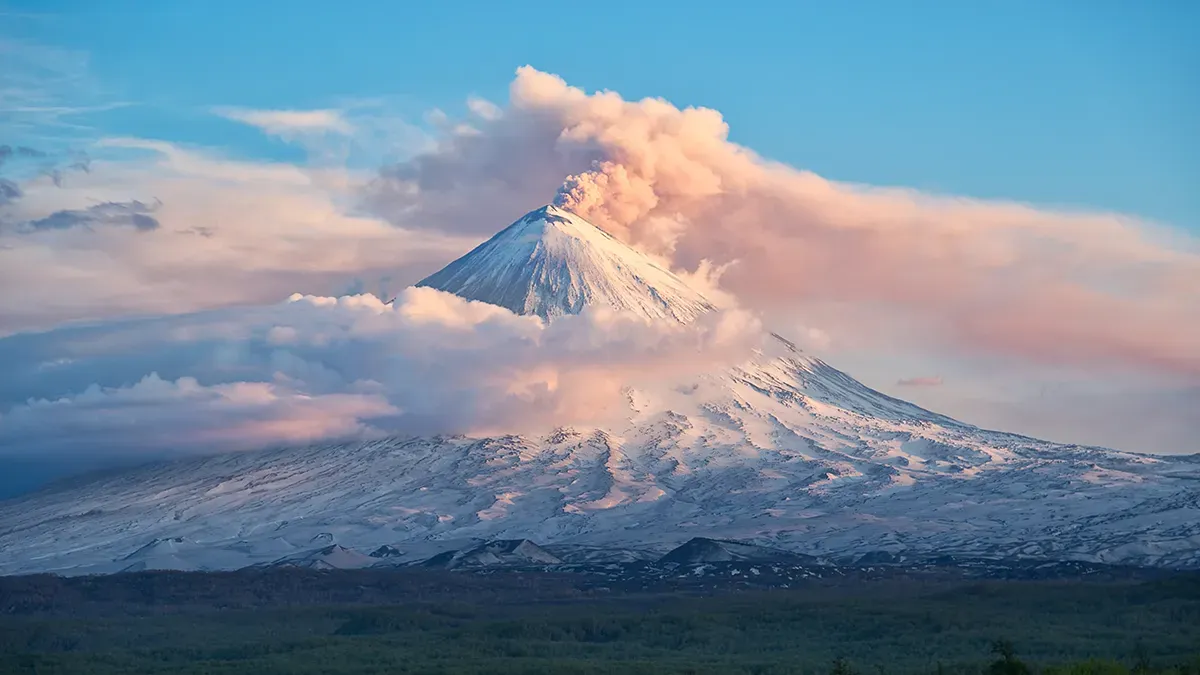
(294,621)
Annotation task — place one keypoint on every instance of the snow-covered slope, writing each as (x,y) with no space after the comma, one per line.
(783,451)
(552,262)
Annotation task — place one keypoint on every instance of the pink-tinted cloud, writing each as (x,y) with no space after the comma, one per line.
(1053,287)
(178,230)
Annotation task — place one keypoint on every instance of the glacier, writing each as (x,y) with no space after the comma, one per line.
(783,451)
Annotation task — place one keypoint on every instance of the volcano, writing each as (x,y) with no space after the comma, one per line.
(551,262)
(783,451)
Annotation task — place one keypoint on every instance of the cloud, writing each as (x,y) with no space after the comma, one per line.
(289,123)
(229,232)
(354,134)
(56,167)
(8,152)
(46,93)
(1091,289)
(9,191)
(133,214)
(484,108)
(321,367)
(872,267)
(920,382)
(158,418)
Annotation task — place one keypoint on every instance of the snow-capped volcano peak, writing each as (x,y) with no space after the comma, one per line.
(552,262)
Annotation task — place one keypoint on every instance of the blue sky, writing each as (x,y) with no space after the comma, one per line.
(1091,104)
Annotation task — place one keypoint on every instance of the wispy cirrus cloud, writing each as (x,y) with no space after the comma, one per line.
(46,92)
(356,134)
(289,123)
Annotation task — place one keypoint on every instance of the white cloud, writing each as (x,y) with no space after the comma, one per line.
(158,418)
(289,123)
(322,367)
(484,108)
(358,133)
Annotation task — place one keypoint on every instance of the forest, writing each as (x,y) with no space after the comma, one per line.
(409,621)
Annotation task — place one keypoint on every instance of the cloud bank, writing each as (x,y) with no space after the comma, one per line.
(207,246)
(319,367)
